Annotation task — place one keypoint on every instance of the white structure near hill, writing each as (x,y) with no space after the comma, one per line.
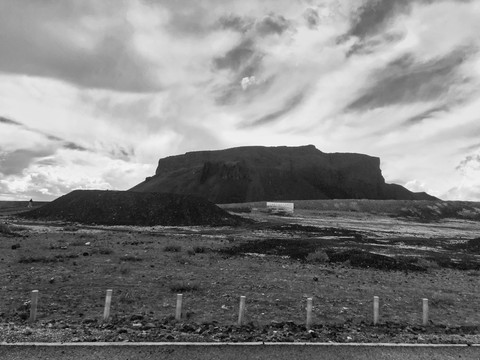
(280,207)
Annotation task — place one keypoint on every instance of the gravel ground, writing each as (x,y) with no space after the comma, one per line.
(139,329)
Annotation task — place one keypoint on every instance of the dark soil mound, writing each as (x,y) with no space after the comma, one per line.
(365,259)
(473,246)
(294,248)
(132,208)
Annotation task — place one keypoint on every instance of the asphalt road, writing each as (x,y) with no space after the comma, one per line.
(233,351)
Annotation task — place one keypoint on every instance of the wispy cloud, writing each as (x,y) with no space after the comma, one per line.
(405,81)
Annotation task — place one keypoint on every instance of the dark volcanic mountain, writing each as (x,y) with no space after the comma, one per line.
(258,173)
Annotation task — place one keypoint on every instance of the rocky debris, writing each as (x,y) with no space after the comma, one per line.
(168,330)
(257,173)
(132,208)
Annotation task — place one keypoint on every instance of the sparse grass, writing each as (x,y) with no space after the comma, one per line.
(28,259)
(127,297)
(182,260)
(87,236)
(182,287)
(70,228)
(103,251)
(77,242)
(124,269)
(17,228)
(441,299)
(172,248)
(275,286)
(427,264)
(130,257)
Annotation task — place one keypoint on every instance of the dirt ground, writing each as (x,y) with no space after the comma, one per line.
(339,258)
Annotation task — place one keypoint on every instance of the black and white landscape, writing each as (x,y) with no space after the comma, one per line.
(227,171)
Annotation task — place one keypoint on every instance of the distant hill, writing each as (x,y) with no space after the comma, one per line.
(257,173)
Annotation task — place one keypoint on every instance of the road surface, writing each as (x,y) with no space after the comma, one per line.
(257,351)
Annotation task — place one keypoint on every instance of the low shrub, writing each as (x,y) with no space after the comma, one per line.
(25,259)
(318,257)
(182,287)
(182,260)
(200,249)
(124,269)
(427,264)
(77,243)
(5,229)
(70,228)
(442,299)
(126,297)
(130,257)
(172,248)
(103,251)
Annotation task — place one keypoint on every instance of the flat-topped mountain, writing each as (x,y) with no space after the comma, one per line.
(258,173)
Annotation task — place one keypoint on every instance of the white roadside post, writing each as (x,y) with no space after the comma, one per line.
(178,311)
(375,310)
(425,312)
(309,313)
(108,302)
(33,306)
(241,310)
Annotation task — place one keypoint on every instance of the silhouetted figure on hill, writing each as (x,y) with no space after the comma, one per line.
(30,203)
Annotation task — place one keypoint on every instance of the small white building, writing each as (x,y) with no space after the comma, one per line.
(280,208)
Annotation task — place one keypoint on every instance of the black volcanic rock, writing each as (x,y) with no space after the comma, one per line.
(129,208)
(258,173)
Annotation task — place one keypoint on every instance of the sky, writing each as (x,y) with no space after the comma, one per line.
(94,92)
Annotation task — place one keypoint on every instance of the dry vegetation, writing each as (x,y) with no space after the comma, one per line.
(276,266)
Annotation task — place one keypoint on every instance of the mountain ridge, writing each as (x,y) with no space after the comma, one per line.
(259,173)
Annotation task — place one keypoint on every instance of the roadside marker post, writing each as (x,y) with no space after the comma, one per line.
(375,310)
(178,311)
(309,313)
(241,310)
(108,302)
(425,312)
(33,306)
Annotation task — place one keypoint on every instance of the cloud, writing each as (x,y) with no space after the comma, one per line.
(272,24)
(237,58)
(9,122)
(405,80)
(289,105)
(236,23)
(430,113)
(247,82)
(374,15)
(311,17)
(470,162)
(66,144)
(65,41)
(13,163)
(106,88)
